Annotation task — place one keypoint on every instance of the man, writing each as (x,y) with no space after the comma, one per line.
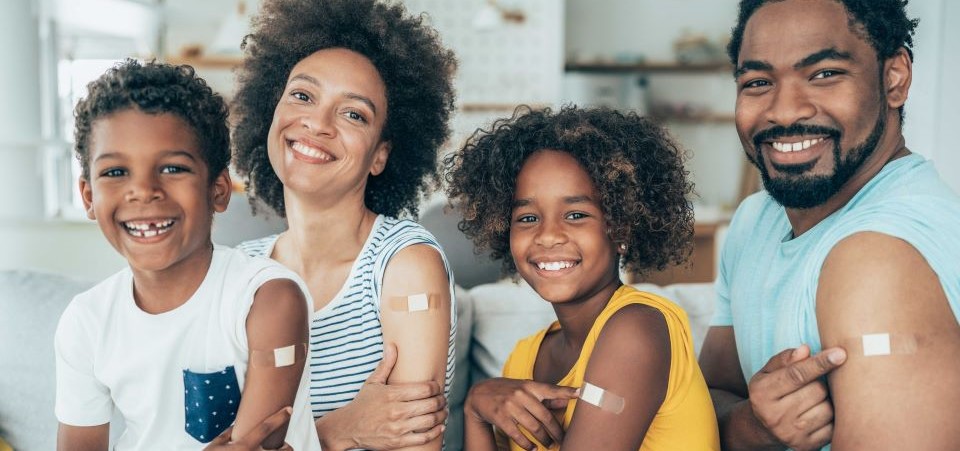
(854,242)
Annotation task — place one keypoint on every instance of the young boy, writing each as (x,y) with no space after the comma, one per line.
(178,339)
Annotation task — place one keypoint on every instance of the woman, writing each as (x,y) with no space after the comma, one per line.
(340,110)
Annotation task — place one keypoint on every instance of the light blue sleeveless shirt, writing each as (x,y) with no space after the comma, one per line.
(768,280)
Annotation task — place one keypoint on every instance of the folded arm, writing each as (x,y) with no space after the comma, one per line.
(83,438)
(739,428)
(420,336)
(277,319)
(631,360)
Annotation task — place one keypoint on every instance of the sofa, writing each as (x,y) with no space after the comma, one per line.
(492,317)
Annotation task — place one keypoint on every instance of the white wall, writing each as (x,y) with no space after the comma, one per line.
(946,151)
(649,27)
(21,182)
(627,29)
(931,110)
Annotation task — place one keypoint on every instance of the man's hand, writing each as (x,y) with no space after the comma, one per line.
(252,440)
(511,403)
(385,416)
(791,401)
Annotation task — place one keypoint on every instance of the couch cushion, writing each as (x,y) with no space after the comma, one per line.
(453,436)
(30,307)
(503,313)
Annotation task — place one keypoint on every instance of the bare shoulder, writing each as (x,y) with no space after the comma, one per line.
(873,279)
(417,264)
(635,333)
(634,328)
(280,293)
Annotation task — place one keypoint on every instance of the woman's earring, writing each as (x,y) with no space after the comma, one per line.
(623,248)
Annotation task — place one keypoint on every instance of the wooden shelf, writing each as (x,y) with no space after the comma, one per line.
(648,67)
(207,62)
(496,107)
(708,118)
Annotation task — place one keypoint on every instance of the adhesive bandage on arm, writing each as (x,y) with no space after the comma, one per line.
(880,344)
(279,357)
(604,399)
(420,302)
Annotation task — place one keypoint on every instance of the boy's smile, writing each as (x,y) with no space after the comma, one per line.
(150,191)
(558,232)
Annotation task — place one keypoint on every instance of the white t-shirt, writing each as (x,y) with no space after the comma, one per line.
(111,354)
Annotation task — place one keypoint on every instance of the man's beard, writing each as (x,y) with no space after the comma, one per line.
(800,191)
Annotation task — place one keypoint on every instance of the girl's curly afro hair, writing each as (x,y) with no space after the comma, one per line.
(416,69)
(156,88)
(636,168)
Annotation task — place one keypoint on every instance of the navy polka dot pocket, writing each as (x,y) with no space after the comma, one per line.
(211,401)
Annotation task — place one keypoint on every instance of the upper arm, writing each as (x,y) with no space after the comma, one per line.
(631,360)
(277,319)
(874,283)
(83,438)
(720,362)
(422,337)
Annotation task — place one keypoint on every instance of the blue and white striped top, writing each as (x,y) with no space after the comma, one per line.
(346,337)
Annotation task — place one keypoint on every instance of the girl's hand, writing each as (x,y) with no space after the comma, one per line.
(385,416)
(252,440)
(509,403)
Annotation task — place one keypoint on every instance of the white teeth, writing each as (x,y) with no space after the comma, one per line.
(554,266)
(309,151)
(795,147)
(146,229)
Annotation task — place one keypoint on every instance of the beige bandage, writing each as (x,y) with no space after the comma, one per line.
(605,400)
(880,344)
(280,357)
(419,302)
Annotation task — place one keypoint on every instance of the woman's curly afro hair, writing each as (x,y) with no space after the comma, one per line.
(636,168)
(416,70)
(156,88)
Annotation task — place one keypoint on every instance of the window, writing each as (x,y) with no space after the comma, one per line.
(82,39)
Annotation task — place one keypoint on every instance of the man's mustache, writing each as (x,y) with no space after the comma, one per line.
(779,131)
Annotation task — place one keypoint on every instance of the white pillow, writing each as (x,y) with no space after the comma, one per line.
(503,313)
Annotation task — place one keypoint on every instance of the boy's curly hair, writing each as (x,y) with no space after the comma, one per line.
(635,166)
(416,70)
(156,88)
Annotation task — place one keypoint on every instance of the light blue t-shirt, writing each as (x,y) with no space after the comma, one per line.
(768,279)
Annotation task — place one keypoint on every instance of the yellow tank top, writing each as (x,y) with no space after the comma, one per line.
(685,421)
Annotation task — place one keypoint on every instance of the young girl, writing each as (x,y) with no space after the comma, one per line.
(571,196)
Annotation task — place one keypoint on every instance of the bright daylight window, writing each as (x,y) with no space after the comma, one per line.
(72,79)
(88,37)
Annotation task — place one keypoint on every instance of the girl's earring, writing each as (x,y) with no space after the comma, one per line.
(623,248)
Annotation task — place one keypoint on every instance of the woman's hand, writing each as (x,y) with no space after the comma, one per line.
(509,403)
(251,441)
(385,416)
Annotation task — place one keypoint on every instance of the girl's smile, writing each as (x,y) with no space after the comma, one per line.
(558,234)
